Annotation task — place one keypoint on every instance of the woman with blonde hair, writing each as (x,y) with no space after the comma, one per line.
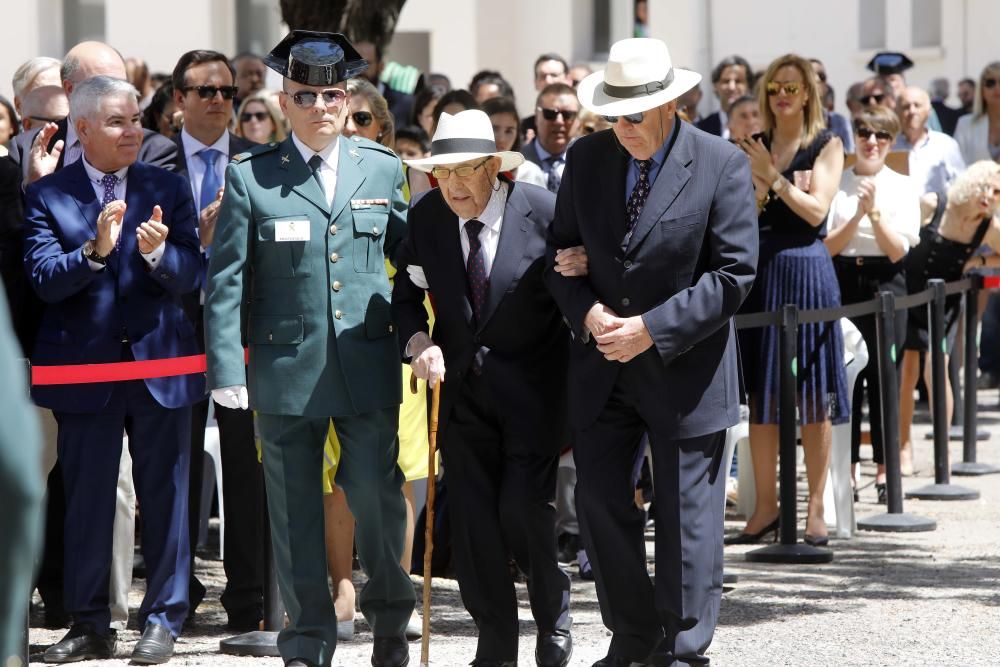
(978,133)
(796,168)
(260,120)
(955,225)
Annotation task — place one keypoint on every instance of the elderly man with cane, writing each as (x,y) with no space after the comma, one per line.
(477,244)
(666,215)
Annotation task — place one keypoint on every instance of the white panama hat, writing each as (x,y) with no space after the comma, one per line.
(467,135)
(639,77)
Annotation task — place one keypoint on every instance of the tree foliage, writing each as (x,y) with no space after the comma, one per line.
(361,20)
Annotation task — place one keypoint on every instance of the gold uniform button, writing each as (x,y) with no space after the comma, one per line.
(337,285)
(333,229)
(375,230)
(334,257)
(338,314)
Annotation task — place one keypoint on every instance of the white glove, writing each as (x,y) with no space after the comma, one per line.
(234,397)
(428,360)
(417,276)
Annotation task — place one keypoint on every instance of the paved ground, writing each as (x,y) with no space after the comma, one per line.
(887,598)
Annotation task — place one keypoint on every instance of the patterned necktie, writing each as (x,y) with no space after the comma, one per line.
(554,179)
(475,268)
(210,180)
(315,162)
(108,182)
(638,197)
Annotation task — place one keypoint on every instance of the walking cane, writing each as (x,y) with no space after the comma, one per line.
(425,638)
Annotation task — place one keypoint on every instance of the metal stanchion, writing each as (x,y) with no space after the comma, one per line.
(789,550)
(942,489)
(262,643)
(969,466)
(895,520)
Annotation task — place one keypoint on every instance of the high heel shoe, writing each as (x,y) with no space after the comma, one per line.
(882,494)
(816,540)
(752,538)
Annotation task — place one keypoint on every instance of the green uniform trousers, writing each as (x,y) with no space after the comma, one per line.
(293,465)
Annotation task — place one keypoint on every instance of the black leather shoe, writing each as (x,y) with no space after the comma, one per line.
(246,621)
(615,661)
(299,662)
(390,652)
(492,663)
(553,649)
(155,647)
(82,643)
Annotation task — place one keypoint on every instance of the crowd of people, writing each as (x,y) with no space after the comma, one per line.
(568,355)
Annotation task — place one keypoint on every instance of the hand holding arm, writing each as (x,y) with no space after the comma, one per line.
(571,261)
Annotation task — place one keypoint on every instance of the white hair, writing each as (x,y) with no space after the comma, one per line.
(973,181)
(88,96)
(29,71)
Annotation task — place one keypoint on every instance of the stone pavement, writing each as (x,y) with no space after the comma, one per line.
(887,598)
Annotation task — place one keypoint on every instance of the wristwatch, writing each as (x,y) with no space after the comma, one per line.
(779,185)
(90,252)
(875,216)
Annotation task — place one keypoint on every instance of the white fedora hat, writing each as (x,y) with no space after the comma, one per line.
(467,135)
(639,77)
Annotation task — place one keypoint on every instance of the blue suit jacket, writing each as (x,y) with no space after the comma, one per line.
(87,312)
(686,269)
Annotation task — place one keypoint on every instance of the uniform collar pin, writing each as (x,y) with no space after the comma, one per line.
(284,159)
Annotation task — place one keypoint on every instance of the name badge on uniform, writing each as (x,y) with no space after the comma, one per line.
(357,204)
(291,230)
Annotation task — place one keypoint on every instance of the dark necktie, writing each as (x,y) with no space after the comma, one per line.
(554,179)
(315,162)
(475,268)
(210,179)
(638,197)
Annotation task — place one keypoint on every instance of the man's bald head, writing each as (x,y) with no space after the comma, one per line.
(89,59)
(45,104)
(914,108)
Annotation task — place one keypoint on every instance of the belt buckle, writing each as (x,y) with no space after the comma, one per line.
(859,261)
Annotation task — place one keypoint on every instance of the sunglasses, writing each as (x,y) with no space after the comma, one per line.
(821,75)
(209,92)
(362,118)
(989,83)
(789,88)
(444,173)
(865,133)
(259,116)
(633,118)
(871,100)
(306,99)
(550,114)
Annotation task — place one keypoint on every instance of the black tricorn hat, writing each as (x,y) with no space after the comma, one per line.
(889,62)
(315,58)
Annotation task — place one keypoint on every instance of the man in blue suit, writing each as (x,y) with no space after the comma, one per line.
(666,215)
(110,247)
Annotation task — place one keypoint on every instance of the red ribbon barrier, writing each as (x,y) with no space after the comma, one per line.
(991,282)
(121,371)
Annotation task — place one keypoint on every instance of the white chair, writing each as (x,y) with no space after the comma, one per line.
(838,497)
(736,434)
(213,470)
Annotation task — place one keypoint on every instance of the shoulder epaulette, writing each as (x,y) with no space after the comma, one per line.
(361,142)
(255,151)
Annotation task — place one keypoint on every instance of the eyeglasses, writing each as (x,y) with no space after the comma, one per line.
(259,116)
(362,118)
(789,88)
(865,133)
(989,83)
(871,100)
(633,118)
(444,173)
(208,92)
(550,114)
(306,99)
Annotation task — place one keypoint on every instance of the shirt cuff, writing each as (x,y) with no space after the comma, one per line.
(153,258)
(95,266)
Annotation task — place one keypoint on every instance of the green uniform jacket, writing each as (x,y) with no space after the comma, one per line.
(313,307)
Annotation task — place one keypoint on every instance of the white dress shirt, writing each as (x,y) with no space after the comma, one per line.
(328,170)
(95,175)
(935,160)
(896,199)
(196,165)
(489,235)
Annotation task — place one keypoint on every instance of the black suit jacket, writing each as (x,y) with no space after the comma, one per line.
(947,116)
(685,270)
(711,123)
(522,342)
